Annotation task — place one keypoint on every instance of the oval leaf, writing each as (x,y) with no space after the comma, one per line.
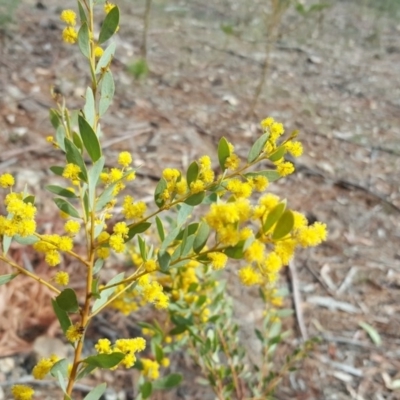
(146,389)
(107,92)
(66,207)
(161,186)
(109,25)
(90,139)
(168,382)
(74,156)
(68,301)
(201,237)
(195,199)
(7,278)
(223,152)
(278,154)
(257,148)
(62,316)
(164,259)
(61,191)
(273,216)
(192,172)
(105,360)
(160,228)
(84,40)
(106,58)
(140,228)
(270,174)
(284,225)
(97,392)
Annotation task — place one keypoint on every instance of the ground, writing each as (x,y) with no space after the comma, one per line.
(333,75)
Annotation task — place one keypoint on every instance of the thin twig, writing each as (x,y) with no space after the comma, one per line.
(297,302)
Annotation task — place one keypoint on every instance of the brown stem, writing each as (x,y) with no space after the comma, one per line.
(146,20)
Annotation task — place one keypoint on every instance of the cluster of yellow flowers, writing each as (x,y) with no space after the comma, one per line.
(51,245)
(43,367)
(146,291)
(151,368)
(264,254)
(70,35)
(126,346)
(21,212)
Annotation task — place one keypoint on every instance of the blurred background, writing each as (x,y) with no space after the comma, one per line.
(188,72)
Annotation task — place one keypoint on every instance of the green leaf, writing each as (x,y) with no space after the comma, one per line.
(26,240)
(94,175)
(68,301)
(60,136)
(95,289)
(82,14)
(201,237)
(90,139)
(192,172)
(284,225)
(84,40)
(106,58)
(86,202)
(88,369)
(191,230)
(61,381)
(187,245)
(105,294)
(270,174)
(146,389)
(372,333)
(107,92)
(105,360)
(105,197)
(62,316)
(178,330)
(278,154)
(74,156)
(98,265)
(158,351)
(57,170)
(257,148)
(160,228)
(223,152)
(7,278)
(195,199)
(66,207)
(76,139)
(60,366)
(235,252)
(169,239)
(54,118)
(97,392)
(29,199)
(140,228)
(61,191)
(89,110)
(184,212)
(142,248)
(161,186)
(273,216)
(168,382)
(164,260)
(109,25)
(6,243)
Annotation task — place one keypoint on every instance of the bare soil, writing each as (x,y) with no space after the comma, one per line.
(333,75)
